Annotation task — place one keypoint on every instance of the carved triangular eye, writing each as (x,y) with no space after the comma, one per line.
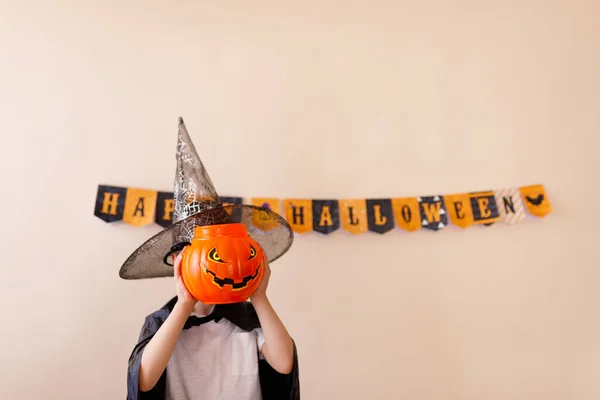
(252,253)
(214,256)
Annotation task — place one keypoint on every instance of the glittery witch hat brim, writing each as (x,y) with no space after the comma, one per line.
(268,228)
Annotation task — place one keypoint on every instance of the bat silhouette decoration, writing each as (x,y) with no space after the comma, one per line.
(535,201)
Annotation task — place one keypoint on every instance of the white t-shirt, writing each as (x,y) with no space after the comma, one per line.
(215,361)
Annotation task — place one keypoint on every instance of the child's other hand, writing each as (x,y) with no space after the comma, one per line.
(183,295)
(262,289)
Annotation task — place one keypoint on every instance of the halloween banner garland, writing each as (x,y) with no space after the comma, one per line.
(139,207)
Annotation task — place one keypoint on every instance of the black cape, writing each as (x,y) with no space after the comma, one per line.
(274,385)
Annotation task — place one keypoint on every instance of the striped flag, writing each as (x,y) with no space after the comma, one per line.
(510,205)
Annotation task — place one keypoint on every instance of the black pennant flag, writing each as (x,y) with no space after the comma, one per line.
(485,208)
(380,215)
(433,212)
(236,214)
(165,205)
(110,203)
(326,216)
(231,200)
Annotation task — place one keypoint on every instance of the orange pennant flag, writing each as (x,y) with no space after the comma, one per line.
(353,214)
(299,214)
(536,200)
(263,220)
(459,209)
(407,213)
(271,203)
(140,206)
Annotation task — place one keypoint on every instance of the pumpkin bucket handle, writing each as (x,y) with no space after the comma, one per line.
(177,247)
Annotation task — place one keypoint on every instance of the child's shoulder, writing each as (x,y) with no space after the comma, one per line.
(153,320)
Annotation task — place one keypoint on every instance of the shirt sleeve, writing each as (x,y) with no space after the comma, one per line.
(260,341)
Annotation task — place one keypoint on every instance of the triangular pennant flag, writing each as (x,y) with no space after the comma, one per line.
(326,216)
(299,214)
(110,202)
(231,201)
(140,206)
(510,205)
(485,210)
(459,209)
(407,213)
(165,206)
(380,215)
(353,215)
(262,219)
(536,200)
(431,210)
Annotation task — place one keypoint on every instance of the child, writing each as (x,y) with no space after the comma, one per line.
(190,350)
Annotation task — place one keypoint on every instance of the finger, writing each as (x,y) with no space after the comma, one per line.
(267,266)
(178,258)
(177,264)
(266,261)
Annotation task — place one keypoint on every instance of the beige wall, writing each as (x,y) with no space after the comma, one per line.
(393,99)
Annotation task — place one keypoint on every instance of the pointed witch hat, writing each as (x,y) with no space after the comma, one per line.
(198,204)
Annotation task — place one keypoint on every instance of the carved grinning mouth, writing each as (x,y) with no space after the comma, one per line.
(221,282)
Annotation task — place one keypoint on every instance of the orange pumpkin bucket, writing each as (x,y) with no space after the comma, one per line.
(222,264)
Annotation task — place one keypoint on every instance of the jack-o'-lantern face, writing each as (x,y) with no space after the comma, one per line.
(222,264)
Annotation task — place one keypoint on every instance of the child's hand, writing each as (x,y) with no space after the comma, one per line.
(262,289)
(183,295)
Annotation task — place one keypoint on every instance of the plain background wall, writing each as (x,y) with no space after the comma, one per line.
(386,99)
